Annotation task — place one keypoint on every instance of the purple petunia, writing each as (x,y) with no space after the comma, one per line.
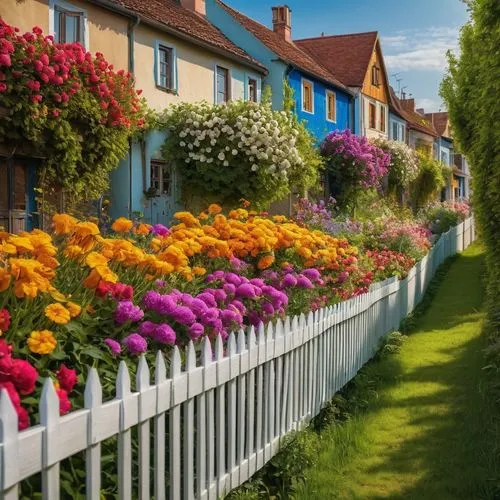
(312,274)
(160,230)
(246,291)
(135,344)
(196,330)
(183,315)
(289,280)
(147,328)
(304,282)
(151,300)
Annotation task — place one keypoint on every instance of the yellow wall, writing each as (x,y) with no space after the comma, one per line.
(195,70)
(380,92)
(26,14)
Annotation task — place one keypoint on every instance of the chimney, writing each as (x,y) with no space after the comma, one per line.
(408,104)
(421,111)
(282,22)
(197,6)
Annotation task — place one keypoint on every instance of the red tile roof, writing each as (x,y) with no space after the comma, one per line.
(406,110)
(346,56)
(440,121)
(289,52)
(173,16)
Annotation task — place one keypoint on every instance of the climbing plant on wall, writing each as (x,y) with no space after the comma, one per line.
(73,108)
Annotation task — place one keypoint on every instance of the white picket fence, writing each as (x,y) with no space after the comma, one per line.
(205,428)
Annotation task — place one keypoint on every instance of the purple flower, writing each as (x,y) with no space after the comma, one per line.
(304,282)
(289,280)
(135,343)
(208,299)
(159,283)
(127,311)
(196,330)
(198,306)
(114,346)
(230,289)
(239,305)
(233,279)
(160,230)
(183,315)
(237,264)
(257,282)
(268,308)
(147,328)
(186,299)
(312,274)
(228,317)
(246,291)
(166,305)
(220,295)
(151,299)
(164,334)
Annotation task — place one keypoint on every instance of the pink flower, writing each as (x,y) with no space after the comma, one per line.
(5,60)
(67,378)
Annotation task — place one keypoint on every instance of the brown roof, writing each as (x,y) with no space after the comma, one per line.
(173,16)
(289,52)
(346,56)
(406,110)
(439,120)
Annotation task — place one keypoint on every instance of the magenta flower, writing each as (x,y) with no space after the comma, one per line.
(183,315)
(164,334)
(114,346)
(127,311)
(196,330)
(304,282)
(147,328)
(135,344)
(246,290)
(160,230)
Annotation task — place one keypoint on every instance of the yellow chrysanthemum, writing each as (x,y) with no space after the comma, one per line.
(63,223)
(58,314)
(74,309)
(42,342)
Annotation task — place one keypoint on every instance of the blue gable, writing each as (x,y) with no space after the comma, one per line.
(317,121)
(397,128)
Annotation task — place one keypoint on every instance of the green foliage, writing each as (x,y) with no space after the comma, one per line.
(429,182)
(239,150)
(470,90)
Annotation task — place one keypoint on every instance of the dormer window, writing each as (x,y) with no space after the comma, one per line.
(376,80)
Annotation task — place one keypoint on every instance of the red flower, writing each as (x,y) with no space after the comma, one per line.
(22,414)
(3,87)
(64,402)
(67,378)
(4,320)
(24,376)
(122,291)
(104,288)
(37,30)
(5,60)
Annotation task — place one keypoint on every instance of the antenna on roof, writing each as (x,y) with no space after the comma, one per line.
(322,33)
(402,92)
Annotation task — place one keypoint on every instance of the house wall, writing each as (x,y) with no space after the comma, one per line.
(195,68)
(366,129)
(26,15)
(379,93)
(317,121)
(247,41)
(420,141)
(397,128)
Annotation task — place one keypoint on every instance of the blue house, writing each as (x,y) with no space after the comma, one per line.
(397,121)
(320,99)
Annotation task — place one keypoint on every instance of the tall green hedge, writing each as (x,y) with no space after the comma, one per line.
(471,90)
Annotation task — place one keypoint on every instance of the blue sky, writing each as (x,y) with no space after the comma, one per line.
(415,34)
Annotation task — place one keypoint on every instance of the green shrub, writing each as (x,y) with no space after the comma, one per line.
(429,182)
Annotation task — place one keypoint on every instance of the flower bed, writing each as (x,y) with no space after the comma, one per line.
(78,298)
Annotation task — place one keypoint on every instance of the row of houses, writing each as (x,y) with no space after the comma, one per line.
(194,50)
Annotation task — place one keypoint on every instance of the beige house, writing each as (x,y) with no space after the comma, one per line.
(175,54)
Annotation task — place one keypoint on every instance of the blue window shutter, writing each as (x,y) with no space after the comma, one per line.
(156,62)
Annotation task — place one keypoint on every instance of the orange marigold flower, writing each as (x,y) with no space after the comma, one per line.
(214,209)
(122,225)
(95,259)
(142,229)
(199,271)
(58,314)
(74,309)
(265,261)
(203,216)
(4,279)
(42,342)
(63,223)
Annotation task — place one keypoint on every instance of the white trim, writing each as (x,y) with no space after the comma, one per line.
(302,80)
(246,93)
(70,7)
(328,91)
(175,81)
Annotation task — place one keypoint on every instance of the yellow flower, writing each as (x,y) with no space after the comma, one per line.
(122,225)
(63,223)
(199,271)
(74,309)
(214,209)
(4,279)
(58,314)
(95,259)
(42,342)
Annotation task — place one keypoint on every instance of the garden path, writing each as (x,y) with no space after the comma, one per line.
(425,435)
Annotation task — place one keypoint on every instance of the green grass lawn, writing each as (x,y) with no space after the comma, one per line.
(428,431)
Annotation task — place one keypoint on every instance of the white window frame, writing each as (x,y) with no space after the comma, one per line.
(67,6)
(229,82)
(381,106)
(374,103)
(246,93)
(327,93)
(302,81)
(168,45)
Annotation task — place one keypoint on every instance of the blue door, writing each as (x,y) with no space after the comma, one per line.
(162,193)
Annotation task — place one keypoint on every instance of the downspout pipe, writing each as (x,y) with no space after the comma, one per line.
(131,67)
